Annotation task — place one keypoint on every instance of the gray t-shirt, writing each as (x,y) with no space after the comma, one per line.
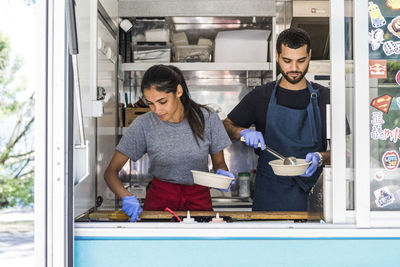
(172,147)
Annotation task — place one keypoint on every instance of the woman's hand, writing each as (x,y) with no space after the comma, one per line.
(131,207)
(229,174)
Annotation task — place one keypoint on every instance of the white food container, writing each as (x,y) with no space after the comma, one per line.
(211,179)
(242,46)
(289,170)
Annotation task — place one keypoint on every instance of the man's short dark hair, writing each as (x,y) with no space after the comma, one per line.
(293,38)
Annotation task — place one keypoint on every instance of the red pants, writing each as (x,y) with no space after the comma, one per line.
(177,197)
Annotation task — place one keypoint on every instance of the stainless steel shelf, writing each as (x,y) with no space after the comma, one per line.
(202,66)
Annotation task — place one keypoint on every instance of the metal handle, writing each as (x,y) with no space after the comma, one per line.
(71,28)
(73,50)
(82,163)
(78,100)
(276,154)
(273,152)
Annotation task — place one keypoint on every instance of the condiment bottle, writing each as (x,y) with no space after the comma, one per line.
(244,184)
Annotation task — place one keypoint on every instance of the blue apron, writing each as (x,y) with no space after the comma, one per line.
(291,132)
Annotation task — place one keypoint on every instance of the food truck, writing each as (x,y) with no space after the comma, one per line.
(92,57)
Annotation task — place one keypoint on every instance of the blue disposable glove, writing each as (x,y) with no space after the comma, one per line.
(314,158)
(253,138)
(131,207)
(226,173)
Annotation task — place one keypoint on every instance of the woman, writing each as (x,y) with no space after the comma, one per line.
(178,135)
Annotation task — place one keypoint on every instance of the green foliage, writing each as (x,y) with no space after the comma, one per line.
(16,152)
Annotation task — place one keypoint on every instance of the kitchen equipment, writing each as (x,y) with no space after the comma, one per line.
(282,169)
(81,150)
(244,184)
(217,219)
(211,179)
(242,46)
(173,213)
(188,219)
(192,53)
(286,161)
(180,38)
(132,113)
(119,215)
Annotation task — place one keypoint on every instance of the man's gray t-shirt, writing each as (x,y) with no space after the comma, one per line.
(172,147)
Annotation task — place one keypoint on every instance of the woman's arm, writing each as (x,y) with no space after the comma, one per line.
(218,161)
(111,174)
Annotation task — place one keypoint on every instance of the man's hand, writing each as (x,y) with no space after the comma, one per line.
(253,138)
(315,159)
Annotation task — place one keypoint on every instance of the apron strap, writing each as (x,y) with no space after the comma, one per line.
(313,113)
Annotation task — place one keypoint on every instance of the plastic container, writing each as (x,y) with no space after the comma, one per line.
(192,53)
(244,184)
(289,170)
(211,179)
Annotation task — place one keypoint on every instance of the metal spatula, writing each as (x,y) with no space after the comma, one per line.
(286,161)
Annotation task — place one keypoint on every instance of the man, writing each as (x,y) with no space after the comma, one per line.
(289,117)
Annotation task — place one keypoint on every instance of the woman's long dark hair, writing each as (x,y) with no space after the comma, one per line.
(166,79)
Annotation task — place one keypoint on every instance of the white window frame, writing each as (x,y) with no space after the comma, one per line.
(362,215)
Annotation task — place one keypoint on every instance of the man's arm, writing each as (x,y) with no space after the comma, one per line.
(232,130)
(326,156)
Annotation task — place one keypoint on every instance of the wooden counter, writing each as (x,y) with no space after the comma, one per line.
(235,215)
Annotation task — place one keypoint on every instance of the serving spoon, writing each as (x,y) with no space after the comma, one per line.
(286,161)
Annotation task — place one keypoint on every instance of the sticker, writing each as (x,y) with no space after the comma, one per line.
(382,103)
(394,26)
(390,160)
(375,38)
(376,129)
(393,135)
(377,20)
(377,133)
(398,102)
(393,4)
(383,197)
(379,176)
(377,69)
(397,79)
(391,47)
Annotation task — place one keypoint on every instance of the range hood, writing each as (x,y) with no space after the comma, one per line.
(313,17)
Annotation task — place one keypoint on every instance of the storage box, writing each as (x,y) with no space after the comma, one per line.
(157,35)
(132,113)
(192,53)
(242,46)
(147,52)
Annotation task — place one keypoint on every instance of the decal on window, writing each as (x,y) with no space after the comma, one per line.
(377,69)
(375,38)
(383,197)
(379,176)
(382,103)
(390,160)
(394,26)
(376,129)
(393,4)
(377,20)
(391,47)
(397,79)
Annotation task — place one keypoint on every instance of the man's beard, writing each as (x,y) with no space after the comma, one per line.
(296,80)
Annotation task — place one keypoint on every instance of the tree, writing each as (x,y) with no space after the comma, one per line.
(16,149)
